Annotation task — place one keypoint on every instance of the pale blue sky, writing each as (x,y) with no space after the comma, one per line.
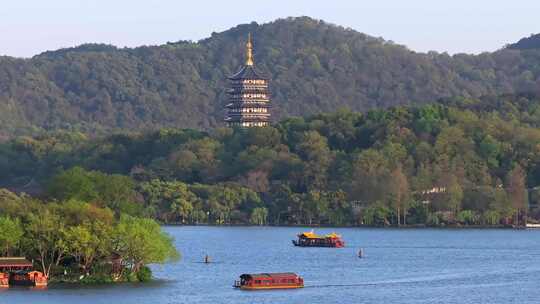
(28,27)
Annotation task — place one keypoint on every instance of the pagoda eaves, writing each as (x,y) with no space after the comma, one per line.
(248,95)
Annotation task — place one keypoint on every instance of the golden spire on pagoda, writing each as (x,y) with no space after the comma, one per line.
(249,54)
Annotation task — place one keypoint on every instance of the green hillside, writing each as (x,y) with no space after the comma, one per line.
(484,152)
(532,42)
(315,67)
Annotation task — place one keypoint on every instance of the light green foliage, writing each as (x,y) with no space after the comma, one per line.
(433,219)
(398,194)
(454,194)
(377,215)
(491,217)
(11,233)
(515,183)
(141,241)
(88,241)
(468,217)
(45,240)
(259,216)
(74,238)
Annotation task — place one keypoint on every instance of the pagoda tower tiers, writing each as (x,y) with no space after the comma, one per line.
(248,96)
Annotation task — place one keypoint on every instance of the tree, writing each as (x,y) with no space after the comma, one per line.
(88,241)
(313,148)
(454,194)
(398,192)
(369,173)
(105,190)
(74,183)
(258,216)
(45,239)
(451,197)
(11,233)
(172,199)
(141,241)
(316,206)
(113,190)
(339,208)
(516,189)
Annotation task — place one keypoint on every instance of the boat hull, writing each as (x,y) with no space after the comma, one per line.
(4,280)
(327,245)
(269,281)
(32,278)
(270,287)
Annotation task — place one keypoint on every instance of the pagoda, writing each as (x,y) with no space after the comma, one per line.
(248,96)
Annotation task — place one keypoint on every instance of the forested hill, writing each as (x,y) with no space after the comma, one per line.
(314,66)
(532,42)
(484,153)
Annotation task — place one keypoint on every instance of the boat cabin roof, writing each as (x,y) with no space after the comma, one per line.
(276,275)
(24,272)
(313,235)
(310,235)
(333,235)
(15,262)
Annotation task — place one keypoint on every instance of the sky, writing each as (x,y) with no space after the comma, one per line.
(29,27)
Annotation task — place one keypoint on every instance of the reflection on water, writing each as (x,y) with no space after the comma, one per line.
(405,266)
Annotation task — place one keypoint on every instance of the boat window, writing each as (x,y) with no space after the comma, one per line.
(257,281)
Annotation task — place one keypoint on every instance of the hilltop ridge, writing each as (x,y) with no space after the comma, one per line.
(314,67)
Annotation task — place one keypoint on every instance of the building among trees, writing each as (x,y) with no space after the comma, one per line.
(248,95)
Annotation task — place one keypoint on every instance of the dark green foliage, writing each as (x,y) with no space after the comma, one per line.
(314,66)
(463,161)
(144,274)
(532,42)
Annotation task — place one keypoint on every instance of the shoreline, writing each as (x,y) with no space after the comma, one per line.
(456,227)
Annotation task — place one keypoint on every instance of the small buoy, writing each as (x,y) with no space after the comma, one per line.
(206,259)
(361,253)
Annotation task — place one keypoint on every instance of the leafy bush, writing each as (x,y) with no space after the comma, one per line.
(467,217)
(491,217)
(433,219)
(144,274)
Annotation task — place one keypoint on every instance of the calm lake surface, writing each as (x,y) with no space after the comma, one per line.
(400,266)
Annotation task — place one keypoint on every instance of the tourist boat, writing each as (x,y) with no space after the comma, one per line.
(263,281)
(4,279)
(530,225)
(28,278)
(19,271)
(310,239)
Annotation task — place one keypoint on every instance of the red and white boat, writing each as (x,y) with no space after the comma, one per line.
(262,281)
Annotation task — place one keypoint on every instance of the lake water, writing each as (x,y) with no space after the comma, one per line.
(400,266)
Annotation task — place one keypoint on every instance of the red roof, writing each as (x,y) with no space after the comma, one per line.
(270,275)
(15,262)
